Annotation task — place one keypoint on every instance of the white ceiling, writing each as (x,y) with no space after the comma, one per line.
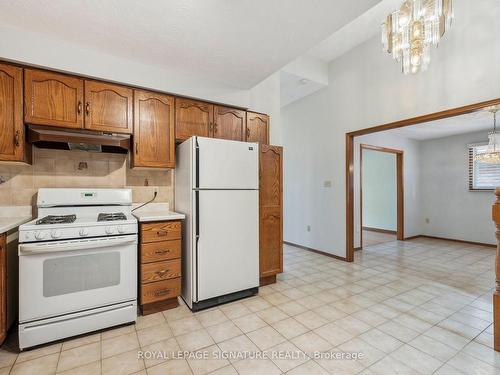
(361,29)
(294,87)
(239,43)
(468,123)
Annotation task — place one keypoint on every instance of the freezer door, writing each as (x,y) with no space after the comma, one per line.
(228,242)
(224,164)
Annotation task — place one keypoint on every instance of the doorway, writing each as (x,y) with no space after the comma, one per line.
(381,195)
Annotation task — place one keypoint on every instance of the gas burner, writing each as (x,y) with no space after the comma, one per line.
(56,219)
(111,217)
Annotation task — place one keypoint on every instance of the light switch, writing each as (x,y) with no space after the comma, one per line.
(327,184)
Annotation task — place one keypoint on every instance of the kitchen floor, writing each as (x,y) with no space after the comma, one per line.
(371,238)
(414,307)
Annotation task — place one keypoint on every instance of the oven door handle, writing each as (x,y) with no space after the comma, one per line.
(52,247)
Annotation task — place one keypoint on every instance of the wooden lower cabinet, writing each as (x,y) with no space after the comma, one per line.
(3,287)
(270,213)
(160,265)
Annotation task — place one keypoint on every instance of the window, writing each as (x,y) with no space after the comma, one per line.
(482,176)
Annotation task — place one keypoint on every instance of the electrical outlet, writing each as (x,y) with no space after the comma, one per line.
(308,228)
(327,184)
(156,190)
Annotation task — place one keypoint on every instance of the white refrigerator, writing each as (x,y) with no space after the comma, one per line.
(217,188)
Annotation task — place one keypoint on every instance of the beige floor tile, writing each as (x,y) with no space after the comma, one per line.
(237,345)
(447,337)
(210,361)
(292,308)
(369,317)
(7,358)
(370,353)
(250,322)
(195,340)
(257,303)
(235,310)
(145,321)
(38,352)
(471,365)
(310,342)
(228,370)
(398,331)
(310,319)
(341,366)
(185,325)
(433,348)
(154,334)
(271,315)
(224,331)
(172,367)
(266,337)
(308,368)
(256,367)
(79,356)
(276,298)
(483,353)
(288,356)
(159,352)
(119,344)
(181,311)
(211,318)
(417,360)
(122,364)
(381,340)
(389,365)
(40,366)
(334,334)
(83,340)
(289,328)
(110,333)
(352,325)
(88,369)
(459,328)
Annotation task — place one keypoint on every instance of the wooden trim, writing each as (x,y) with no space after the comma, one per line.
(378,230)
(400,214)
(316,251)
(452,240)
(496,292)
(154,307)
(349,148)
(358,248)
(412,237)
(266,280)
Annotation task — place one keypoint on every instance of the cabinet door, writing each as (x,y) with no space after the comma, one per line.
(11,113)
(154,142)
(108,107)
(3,288)
(192,118)
(271,210)
(229,123)
(257,128)
(53,99)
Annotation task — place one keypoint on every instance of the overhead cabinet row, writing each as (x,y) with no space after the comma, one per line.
(154,119)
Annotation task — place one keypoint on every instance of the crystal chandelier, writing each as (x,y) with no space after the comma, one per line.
(492,153)
(409,32)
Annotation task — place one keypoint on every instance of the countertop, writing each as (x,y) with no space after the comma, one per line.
(156,212)
(13,216)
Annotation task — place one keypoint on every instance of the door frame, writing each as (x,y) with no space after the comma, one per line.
(400,214)
(349,159)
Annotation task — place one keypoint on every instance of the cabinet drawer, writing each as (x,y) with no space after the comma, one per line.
(160,290)
(157,251)
(158,271)
(154,232)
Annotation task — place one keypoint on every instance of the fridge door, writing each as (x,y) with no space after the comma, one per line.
(224,164)
(228,242)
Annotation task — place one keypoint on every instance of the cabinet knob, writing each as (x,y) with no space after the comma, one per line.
(136,148)
(87,108)
(79,108)
(17,142)
(215,128)
(248,133)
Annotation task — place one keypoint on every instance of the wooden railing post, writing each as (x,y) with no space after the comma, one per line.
(496,293)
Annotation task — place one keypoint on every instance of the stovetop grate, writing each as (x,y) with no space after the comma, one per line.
(56,219)
(111,216)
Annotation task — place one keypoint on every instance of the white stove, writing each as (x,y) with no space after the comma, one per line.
(77,264)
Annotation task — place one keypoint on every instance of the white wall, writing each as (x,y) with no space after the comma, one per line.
(366,88)
(411,178)
(453,211)
(379,184)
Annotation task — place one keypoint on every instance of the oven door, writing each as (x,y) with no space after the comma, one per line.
(62,277)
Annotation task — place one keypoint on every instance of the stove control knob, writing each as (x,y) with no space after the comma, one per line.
(39,235)
(110,230)
(56,233)
(83,232)
(121,229)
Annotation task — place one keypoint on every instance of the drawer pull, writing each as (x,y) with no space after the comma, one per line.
(162,292)
(161,233)
(162,272)
(162,252)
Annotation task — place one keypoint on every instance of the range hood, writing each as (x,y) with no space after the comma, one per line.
(85,140)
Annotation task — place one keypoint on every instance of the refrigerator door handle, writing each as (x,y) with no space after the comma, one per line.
(197,161)
(197,238)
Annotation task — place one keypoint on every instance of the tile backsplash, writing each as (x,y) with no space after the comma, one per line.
(59,168)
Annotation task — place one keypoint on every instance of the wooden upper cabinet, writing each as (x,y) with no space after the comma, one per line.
(257,128)
(53,99)
(11,113)
(108,107)
(229,123)
(270,210)
(192,118)
(154,139)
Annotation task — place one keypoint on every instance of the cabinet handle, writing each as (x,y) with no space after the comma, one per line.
(16,139)
(79,108)
(210,127)
(136,148)
(161,233)
(162,292)
(162,272)
(215,128)
(248,133)
(162,252)
(87,108)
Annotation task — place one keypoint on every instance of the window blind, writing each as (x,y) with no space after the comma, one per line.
(482,176)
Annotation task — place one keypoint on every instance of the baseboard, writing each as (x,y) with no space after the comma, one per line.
(357,248)
(315,251)
(370,229)
(452,240)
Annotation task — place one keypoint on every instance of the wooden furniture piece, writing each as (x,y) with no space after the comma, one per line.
(3,287)
(108,107)
(270,213)
(159,265)
(496,292)
(53,99)
(12,139)
(257,128)
(154,138)
(229,123)
(192,117)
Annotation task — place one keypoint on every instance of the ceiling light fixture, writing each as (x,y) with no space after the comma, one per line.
(409,32)
(492,153)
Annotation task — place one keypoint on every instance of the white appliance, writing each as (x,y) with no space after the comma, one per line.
(77,264)
(216,187)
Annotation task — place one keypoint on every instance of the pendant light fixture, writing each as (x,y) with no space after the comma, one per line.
(492,153)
